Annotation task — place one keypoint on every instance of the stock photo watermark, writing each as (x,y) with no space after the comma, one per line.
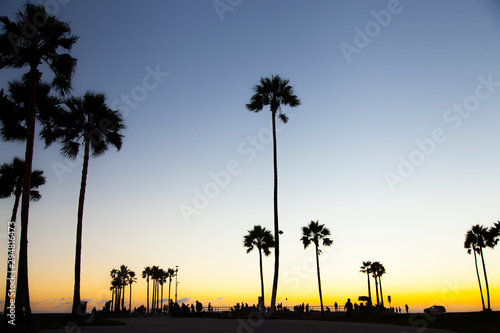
(248,149)
(223,6)
(124,104)
(11,272)
(454,117)
(363,36)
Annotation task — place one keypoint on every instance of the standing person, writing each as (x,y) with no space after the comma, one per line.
(406,307)
(336,306)
(348,307)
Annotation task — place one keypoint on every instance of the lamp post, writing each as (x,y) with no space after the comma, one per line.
(176,283)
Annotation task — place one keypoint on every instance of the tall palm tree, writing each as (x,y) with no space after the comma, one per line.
(90,123)
(263,240)
(11,183)
(124,279)
(314,233)
(131,279)
(274,92)
(482,238)
(146,274)
(163,279)
(375,266)
(366,268)
(380,272)
(171,274)
(24,45)
(470,245)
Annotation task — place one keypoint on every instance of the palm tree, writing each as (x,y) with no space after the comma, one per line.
(11,183)
(470,245)
(314,233)
(482,240)
(274,92)
(25,45)
(171,274)
(146,274)
(263,240)
(91,124)
(163,279)
(124,274)
(374,268)
(131,279)
(366,268)
(380,272)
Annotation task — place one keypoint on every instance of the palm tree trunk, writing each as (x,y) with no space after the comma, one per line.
(169,283)
(319,281)
(112,298)
(78,254)
(376,290)
(276,227)
(369,289)
(261,279)
(485,279)
(23,308)
(147,296)
(478,278)
(381,295)
(123,298)
(153,297)
(130,299)
(161,307)
(9,275)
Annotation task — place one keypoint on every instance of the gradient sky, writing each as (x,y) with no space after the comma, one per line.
(394,147)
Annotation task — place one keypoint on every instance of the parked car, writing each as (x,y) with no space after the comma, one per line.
(435,309)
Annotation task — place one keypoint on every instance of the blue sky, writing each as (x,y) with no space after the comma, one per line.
(360,117)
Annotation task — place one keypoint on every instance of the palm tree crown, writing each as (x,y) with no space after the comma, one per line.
(274,92)
(259,238)
(90,121)
(25,44)
(314,233)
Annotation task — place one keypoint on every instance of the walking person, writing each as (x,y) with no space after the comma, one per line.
(348,307)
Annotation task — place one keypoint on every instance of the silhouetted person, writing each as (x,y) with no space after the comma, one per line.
(406,306)
(336,306)
(199,308)
(348,307)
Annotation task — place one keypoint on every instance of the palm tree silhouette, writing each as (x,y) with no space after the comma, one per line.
(263,240)
(11,183)
(163,278)
(314,233)
(146,274)
(115,289)
(380,272)
(366,268)
(477,238)
(274,92)
(171,274)
(91,124)
(470,245)
(374,268)
(131,279)
(21,47)
(123,273)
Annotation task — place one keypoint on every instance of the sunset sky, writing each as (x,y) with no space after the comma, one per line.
(395,147)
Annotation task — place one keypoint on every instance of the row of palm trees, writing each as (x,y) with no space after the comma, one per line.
(476,239)
(262,239)
(376,269)
(120,278)
(158,276)
(76,122)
